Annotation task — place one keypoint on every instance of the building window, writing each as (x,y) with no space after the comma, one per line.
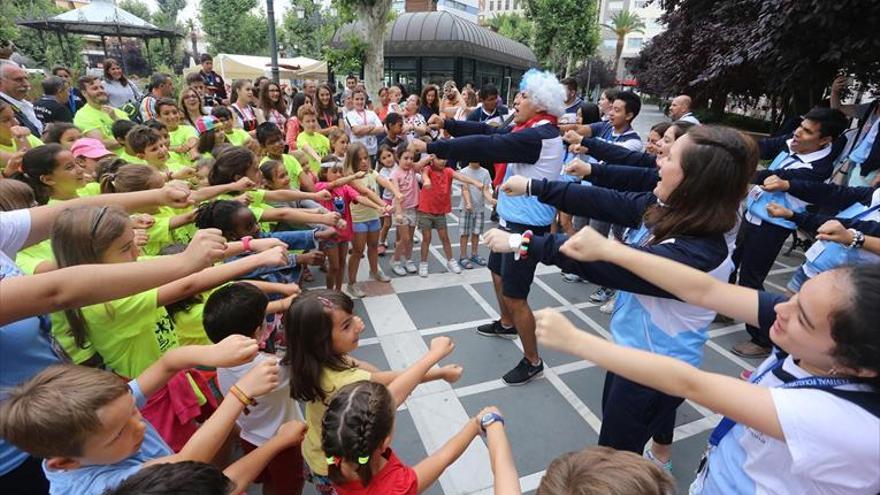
(634,43)
(640,4)
(609,43)
(491,5)
(615,6)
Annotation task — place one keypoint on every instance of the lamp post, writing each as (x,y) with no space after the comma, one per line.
(273,43)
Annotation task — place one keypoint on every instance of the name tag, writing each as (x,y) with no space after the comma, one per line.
(815,250)
(755,192)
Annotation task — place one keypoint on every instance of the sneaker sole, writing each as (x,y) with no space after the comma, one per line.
(498,335)
(536,375)
(750,356)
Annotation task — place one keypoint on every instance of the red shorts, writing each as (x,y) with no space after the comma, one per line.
(284,472)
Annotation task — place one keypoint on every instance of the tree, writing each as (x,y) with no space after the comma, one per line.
(596,71)
(565,31)
(40,46)
(307,28)
(373,17)
(622,24)
(785,51)
(514,26)
(232,27)
(138,8)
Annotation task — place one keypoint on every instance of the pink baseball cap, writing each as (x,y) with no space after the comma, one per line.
(89,148)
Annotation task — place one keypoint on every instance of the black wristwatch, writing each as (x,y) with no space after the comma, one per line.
(858,239)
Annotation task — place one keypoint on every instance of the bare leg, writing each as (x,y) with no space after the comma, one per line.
(426,244)
(662,451)
(506,317)
(447,246)
(462,246)
(373,251)
(357,252)
(332,266)
(475,244)
(524,320)
(341,253)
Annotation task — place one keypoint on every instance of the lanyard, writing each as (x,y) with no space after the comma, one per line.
(818,382)
(866,212)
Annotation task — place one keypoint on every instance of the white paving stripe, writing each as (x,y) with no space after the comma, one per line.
(435,409)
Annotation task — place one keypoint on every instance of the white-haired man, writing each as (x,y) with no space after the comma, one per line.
(680,109)
(532,148)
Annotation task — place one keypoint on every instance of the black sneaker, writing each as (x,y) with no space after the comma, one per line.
(495,329)
(523,373)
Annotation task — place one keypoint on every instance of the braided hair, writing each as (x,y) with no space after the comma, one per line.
(219,214)
(358,420)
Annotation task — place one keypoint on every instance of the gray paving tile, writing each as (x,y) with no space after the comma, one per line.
(372,354)
(554,357)
(729,340)
(686,456)
(483,358)
(715,362)
(575,293)
(443,306)
(538,298)
(360,310)
(408,446)
(539,423)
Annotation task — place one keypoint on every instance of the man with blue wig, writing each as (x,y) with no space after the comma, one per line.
(532,148)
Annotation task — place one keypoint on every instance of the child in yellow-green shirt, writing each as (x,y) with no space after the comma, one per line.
(315,144)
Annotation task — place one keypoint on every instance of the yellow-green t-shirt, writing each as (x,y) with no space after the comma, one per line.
(188,324)
(29,258)
(130,333)
(318,142)
(121,153)
(180,136)
(331,381)
(237,137)
(32,140)
(89,118)
(359,212)
(159,233)
(90,189)
(293,167)
(258,202)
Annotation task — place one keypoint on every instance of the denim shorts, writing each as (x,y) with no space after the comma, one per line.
(368,226)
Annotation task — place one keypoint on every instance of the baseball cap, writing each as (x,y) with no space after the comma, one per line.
(89,148)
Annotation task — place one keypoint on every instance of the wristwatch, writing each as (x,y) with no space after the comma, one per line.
(514,241)
(858,239)
(488,419)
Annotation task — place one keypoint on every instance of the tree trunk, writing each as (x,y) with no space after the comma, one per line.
(569,65)
(375,19)
(618,52)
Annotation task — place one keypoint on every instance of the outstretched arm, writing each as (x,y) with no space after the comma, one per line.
(688,284)
(401,384)
(741,401)
(244,471)
(84,285)
(433,466)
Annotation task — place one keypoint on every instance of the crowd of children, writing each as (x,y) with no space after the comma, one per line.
(154,334)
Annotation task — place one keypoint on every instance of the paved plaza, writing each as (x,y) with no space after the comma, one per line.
(557,413)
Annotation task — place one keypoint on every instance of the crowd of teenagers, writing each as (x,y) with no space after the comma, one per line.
(161,332)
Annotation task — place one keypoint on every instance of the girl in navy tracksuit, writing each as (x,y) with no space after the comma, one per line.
(856,208)
(703,181)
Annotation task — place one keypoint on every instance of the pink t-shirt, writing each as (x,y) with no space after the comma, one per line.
(347,194)
(408,183)
(437,200)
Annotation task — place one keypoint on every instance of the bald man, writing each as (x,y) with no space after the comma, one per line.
(680,109)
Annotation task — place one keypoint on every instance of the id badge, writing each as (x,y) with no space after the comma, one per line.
(755,192)
(815,250)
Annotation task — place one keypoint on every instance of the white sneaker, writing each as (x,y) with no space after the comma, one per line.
(380,276)
(410,267)
(354,291)
(398,269)
(453,266)
(608,307)
(417,238)
(423,269)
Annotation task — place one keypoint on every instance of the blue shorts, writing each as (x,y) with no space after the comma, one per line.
(368,226)
(516,275)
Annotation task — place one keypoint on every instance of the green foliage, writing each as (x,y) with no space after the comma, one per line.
(623,23)
(138,8)
(514,26)
(306,29)
(231,27)
(346,60)
(43,48)
(565,31)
